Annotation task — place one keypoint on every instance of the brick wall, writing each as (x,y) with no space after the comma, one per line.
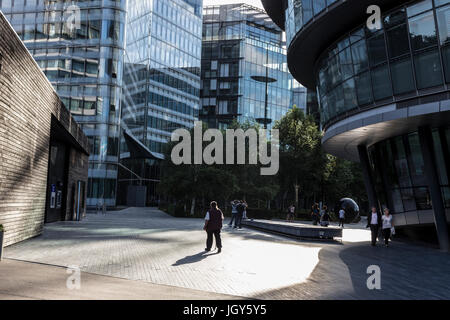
(27,102)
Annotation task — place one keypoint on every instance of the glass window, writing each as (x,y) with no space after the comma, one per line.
(397,39)
(381,83)
(417,166)
(319,5)
(401,163)
(428,69)
(395,18)
(360,58)
(419,7)
(377,49)
(307,11)
(408,199)
(422,198)
(402,76)
(443,20)
(440,160)
(364,87)
(441,2)
(345,62)
(422,31)
(349,94)
(357,35)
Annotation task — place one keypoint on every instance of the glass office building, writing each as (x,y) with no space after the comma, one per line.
(299,96)
(79,46)
(161,83)
(239,42)
(383,94)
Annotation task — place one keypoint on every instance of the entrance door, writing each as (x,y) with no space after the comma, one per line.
(56,188)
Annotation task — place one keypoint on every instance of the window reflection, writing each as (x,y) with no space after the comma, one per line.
(398,60)
(399,171)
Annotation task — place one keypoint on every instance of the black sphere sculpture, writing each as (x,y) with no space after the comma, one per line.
(351,209)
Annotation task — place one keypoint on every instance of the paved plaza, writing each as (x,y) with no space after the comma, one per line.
(146,246)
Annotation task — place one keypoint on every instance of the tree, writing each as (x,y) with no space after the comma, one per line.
(187,182)
(301,159)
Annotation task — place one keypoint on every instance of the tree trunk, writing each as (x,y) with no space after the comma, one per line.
(193,206)
(296,187)
(283,200)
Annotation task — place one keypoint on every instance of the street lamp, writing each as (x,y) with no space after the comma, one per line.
(265,121)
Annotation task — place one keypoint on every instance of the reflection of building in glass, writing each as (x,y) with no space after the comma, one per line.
(298,96)
(161,83)
(238,39)
(384,97)
(80,49)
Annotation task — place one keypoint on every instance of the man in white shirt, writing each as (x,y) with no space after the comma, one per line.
(341,217)
(374,222)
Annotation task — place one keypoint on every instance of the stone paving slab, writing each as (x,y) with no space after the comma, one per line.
(32,281)
(147,245)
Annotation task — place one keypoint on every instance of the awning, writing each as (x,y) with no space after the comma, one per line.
(137,149)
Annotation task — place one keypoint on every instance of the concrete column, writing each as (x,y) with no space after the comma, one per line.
(368,179)
(426,144)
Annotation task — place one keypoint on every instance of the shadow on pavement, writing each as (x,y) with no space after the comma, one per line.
(194,258)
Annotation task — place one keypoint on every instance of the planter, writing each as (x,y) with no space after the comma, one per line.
(1,244)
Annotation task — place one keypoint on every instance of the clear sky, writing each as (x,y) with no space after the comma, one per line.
(256,3)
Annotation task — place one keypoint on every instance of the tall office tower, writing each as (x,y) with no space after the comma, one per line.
(79,46)
(242,50)
(161,87)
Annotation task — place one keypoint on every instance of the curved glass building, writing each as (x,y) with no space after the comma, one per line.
(383,90)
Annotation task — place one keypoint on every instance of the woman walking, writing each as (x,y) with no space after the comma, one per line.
(387,226)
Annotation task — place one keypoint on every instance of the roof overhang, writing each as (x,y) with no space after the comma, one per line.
(137,149)
(276,10)
(343,138)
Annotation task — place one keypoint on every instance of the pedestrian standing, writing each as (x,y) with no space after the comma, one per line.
(213,226)
(374,222)
(387,226)
(244,216)
(324,217)
(234,204)
(291,212)
(341,217)
(240,212)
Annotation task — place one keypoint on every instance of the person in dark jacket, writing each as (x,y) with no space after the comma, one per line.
(374,222)
(240,212)
(213,225)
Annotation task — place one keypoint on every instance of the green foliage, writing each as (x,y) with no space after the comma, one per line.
(302,161)
(222,183)
(1,228)
(304,166)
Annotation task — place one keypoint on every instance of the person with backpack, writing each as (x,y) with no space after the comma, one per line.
(213,226)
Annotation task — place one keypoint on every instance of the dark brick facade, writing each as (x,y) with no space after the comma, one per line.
(28,103)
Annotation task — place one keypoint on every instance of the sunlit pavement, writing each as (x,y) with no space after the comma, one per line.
(148,245)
